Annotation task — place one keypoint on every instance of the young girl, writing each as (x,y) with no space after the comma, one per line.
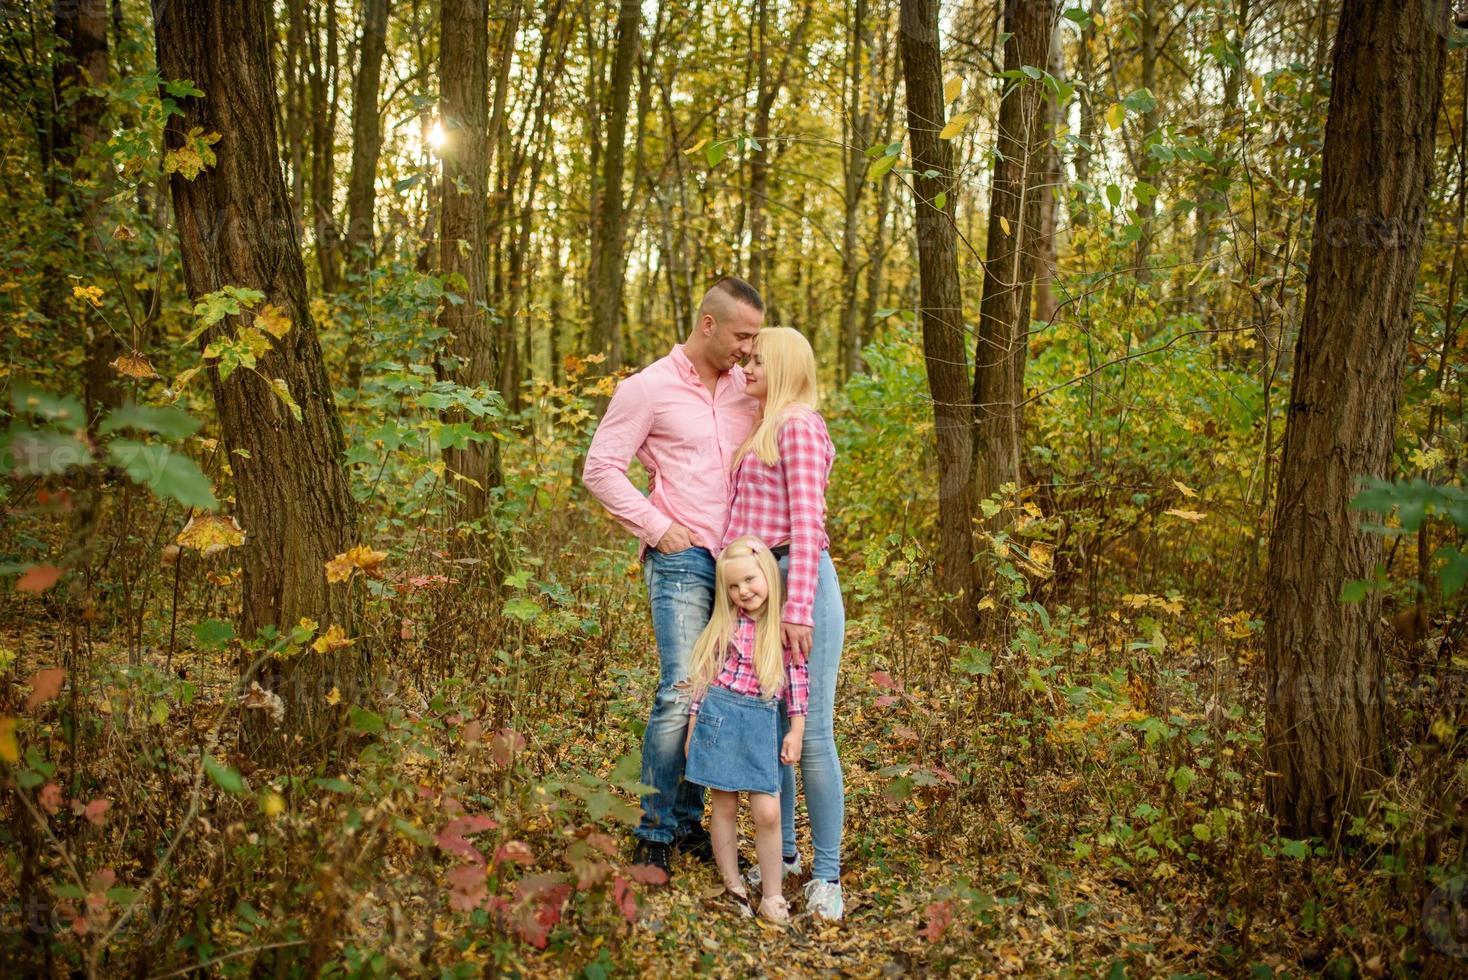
(733,743)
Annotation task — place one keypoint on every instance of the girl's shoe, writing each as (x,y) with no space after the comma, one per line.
(823,899)
(787,869)
(775,909)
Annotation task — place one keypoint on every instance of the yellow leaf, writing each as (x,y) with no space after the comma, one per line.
(696,147)
(1041,554)
(91,295)
(1256,85)
(952,89)
(1115,115)
(361,557)
(133,365)
(333,639)
(1004,223)
(9,747)
(272,804)
(273,320)
(1184,489)
(1187,515)
(987,603)
(283,391)
(334,696)
(955,126)
(211,534)
(184,377)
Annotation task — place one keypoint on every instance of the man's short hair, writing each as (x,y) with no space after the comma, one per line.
(738,290)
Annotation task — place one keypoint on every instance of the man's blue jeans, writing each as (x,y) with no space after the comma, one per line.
(680,588)
(820,766)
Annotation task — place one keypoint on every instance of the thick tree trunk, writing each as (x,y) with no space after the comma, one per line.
(1048,185)
(474,345)
(856,126)
(941,301)
(236,229)
(1010,254)
(1324,670)
(607,238)
(366,134)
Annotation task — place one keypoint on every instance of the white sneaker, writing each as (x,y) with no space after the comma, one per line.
(787,868)
(823,900)
(775,909)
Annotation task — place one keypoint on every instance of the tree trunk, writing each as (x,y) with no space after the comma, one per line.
(236,229)
(941,301)
(1324,669)
(366,134)
(1010,253)
(81,26)
(1146,166)
(473,346)
(856,125)
(1048,185)
(607,237)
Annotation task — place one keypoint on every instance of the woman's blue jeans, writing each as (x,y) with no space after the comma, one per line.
(680,589)
(820,766)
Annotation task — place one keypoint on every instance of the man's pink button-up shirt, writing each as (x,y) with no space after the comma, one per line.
(686,439)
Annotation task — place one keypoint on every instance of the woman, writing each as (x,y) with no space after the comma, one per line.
(780,476)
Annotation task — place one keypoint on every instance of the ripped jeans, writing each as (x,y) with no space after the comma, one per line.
(680,589)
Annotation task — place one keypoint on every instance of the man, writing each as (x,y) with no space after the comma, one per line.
(683,417)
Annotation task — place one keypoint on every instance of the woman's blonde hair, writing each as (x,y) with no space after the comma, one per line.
(790,386)
(712,648)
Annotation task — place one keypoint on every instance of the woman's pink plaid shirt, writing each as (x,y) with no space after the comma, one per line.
(738,674)
(786,504)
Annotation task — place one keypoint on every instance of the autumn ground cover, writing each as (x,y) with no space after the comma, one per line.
(1079,794)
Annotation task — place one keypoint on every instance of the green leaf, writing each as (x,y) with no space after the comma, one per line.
(715,152)
(1454,571)
(1140,101)
(334,784)
(41,452)
(1297,849)
(1113,194)
(1031,71)
(880,166)
(523,609)
(166,473)
(1355,591)
(364,721)
(213,634)
(225,777)
(64,410)
(168,422)
(940,200)
(1077,15)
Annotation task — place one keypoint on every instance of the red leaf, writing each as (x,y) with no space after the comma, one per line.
(467,887)
(886,700)
(96,811)
(50,798)
(603,843)
(623,896)
(883,679)
(940,917)
(38,578)
(504,746)
(45,685)
(647,874)
(454,836)
(516,852)
(589,874)
(473,732)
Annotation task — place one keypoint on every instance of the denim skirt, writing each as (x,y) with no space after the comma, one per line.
(736,743)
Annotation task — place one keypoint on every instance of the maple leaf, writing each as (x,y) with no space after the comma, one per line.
(273,320)
(211,533)
(516,852)
(38,578)
(45,685)
(134,365)
(333,639)
(504,746)
(361,557)
(1187,515)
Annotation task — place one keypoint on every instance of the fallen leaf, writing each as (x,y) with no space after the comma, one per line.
(360,558)
(210,534)
(9,747)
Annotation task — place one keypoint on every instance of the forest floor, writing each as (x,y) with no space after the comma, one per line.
(1077,804)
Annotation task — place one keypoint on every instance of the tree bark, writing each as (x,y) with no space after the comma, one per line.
(1010,253)
(1048,185)
(1324,731)
(236,229)
(941,301)
(856,126)
(324,70)
(473,346)
(607,236)
(81,26)
(366,134)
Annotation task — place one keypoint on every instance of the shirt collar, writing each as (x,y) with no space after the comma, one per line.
(686,369)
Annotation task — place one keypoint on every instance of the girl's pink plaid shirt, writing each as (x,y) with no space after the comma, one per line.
(786,503)
(738,674)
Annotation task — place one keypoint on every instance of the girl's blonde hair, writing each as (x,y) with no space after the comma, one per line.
(790,386)
(712,648)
